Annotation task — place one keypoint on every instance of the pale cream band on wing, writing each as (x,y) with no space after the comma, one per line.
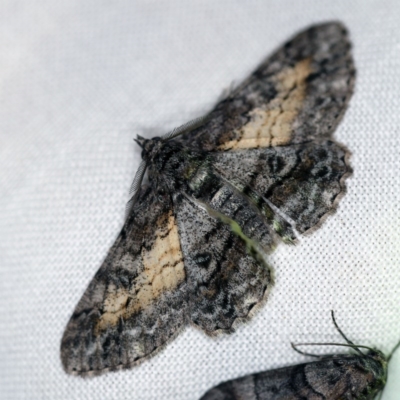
(162,270)
(272,125)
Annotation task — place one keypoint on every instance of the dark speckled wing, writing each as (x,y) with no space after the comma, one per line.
(272,134)
(137,300)
(304,181)
(227,276)
(261,164)
(298,94)
(339,377)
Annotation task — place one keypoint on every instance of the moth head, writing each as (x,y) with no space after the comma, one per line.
(375,364)
(150,147)
(378,364)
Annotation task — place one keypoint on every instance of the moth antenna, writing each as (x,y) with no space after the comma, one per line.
(137,181)
(353,346)
(187,127)
(393,351)
(135,187)
(303,352)
(343,335)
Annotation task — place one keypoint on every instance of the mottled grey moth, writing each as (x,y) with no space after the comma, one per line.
(221,193)
(359,376)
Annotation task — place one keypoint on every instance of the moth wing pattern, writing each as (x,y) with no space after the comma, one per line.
(304,181)
(216,261)
(194,256)
(273,132)
(171,265)
(136,302)
(342,376)
(298,94)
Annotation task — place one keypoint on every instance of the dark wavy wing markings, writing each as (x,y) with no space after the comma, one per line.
(136,302)
(196,258)
(246,207)
(304,181)
(218,257)
(297,94)
(338,377)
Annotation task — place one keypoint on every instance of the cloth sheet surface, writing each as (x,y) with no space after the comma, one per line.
(78,81)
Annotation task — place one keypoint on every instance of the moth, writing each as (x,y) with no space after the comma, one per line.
(222,191)
(359,376)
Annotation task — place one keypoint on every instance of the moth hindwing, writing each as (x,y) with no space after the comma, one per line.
(222,192)
(361,376)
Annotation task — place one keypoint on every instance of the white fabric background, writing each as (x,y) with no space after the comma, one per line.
(78,81)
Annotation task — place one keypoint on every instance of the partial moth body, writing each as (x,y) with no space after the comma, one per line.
(359,376)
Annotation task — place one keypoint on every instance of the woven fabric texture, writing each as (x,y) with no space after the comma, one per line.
(78,81)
